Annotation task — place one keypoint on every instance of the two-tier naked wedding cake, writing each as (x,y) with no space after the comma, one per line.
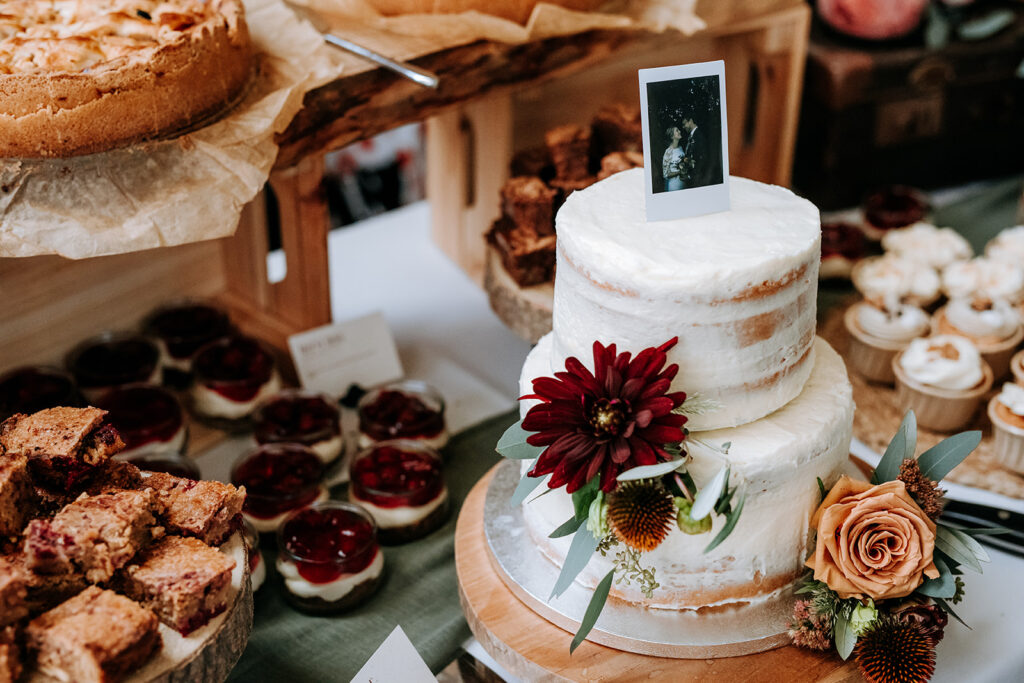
(738,288)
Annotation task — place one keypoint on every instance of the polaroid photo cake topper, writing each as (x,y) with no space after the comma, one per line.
(686,141)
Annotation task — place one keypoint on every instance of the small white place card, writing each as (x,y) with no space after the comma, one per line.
(395,661)
(332,358)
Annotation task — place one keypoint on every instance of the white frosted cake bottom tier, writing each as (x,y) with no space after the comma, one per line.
(777,459)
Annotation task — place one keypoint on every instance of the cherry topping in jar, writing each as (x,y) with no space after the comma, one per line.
(184,328)
(143,414)
(278,478)
(842,239)
(33,388)
(401,411)
(297,417)
(113,360)
(329,540)
(234,367)
(397,474)
(895,207)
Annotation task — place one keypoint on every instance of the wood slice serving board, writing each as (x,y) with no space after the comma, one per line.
(525,310)
(878,416)
(209,653)
(534,649)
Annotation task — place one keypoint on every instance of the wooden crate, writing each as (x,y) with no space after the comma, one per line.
(469,147)
(52,303)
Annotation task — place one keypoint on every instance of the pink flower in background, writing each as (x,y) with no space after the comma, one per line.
(874,19)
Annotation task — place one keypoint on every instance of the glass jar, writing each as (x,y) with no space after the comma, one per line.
(403,410)
(278,479)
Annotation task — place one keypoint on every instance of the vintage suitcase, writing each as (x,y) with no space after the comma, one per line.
(901,113)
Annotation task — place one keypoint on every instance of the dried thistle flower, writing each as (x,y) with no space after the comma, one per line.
(893,651)
(925,491)
(641,513)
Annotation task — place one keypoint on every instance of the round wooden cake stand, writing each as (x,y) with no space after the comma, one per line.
(524,310)
(210,653)
(534,649)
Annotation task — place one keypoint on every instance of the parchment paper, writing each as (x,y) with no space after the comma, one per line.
(174,191)
(414,35)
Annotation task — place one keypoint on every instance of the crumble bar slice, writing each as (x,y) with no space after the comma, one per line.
(14,580)
(16,494)
(96,636)
(617,162)
(94,535)
(618,128)
(569,147)
(207,510)
(112,476)
(529,259)
(529,203)
(10,655)
(184,581)
(62,444)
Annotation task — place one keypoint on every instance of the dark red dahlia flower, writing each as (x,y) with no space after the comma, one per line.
(615,419)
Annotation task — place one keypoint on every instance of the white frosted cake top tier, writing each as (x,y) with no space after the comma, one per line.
(739,289)
(767,231)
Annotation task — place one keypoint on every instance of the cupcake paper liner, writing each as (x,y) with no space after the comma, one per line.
(939,410)
(1008,444)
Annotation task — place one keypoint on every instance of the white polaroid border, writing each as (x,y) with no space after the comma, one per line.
(692,201)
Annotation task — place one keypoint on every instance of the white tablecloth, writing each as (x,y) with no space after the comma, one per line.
(447,335)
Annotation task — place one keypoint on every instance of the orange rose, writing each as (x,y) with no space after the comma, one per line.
(873,541)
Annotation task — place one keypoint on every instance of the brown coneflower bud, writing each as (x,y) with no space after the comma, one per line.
(891,651)
(925,491)
(641,514)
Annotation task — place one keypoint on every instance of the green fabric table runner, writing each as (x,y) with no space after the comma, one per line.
(419,593)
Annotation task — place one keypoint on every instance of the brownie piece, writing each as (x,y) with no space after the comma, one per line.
(94,535)
(535,161)
(113,475)
(529,259)
(618,128)
(529,203)
(617,162)
(184,581)
(97,635)
(62,444)
(10,655)
(14,581)
(207,510)
(569,147)
(16,494)
(49,501)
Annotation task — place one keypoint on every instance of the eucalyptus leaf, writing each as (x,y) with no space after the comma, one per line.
(580,551)
(584,496)
(952,545)
(706,498)
(944,606)
(512,444)
(570,526)
(722,506)
(594,608)
(986,26)
(845,635)
(524,488)
(900,448)
(979,553)
(821,490)
(730,524)
(651,471)
(942,587)
(937,29)
(940,459)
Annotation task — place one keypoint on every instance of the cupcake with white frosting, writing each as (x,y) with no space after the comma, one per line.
(1017,367)
(927,244)
(984,277)
(891,277)
(993,326)
(878,331)
(1007,246)
(1006,410)
(942,379)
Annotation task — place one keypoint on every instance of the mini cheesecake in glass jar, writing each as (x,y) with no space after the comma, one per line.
(113,359)
(149,419)
(232,376)
(329,558)
(32,388)
(409,410)
(297,416)
(278,479)
(402,485)
(180,330)
(257,565)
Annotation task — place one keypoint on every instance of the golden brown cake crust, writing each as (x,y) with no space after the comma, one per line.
(53,432)
(167,80)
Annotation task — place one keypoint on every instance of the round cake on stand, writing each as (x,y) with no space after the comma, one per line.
(738,289)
